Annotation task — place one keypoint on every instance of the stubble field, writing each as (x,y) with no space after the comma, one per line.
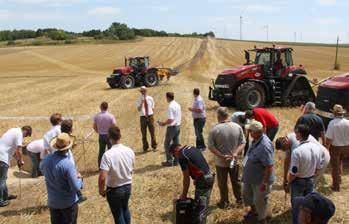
(37,81)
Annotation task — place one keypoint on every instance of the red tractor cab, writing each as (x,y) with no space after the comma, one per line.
(333,91)
(271,79)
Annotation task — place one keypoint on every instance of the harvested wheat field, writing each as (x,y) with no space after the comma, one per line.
(37,81)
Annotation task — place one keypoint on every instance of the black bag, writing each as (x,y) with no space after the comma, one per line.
(186,212)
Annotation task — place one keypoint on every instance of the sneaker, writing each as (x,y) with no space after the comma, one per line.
(4,203)
(167,164)
(82,199)
(11,197)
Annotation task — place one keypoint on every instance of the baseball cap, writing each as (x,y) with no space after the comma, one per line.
(318,204)
(254,126)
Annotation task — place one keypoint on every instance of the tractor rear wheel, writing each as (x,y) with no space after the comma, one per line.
(250,95)
(127,82)
(151,79)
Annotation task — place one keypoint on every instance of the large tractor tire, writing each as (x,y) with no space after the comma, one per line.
(113,86)
(299,93)
(250,95)
(151,79)
(127,82)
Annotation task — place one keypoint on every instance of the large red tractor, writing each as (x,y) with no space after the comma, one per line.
(137,72)
(271,79)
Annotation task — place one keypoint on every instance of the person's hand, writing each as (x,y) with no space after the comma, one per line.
(20,164)
(183,197)
(286,187)
(78,174)
(263,187)
(228,157)
(190,109)
(235,156)
(102,193)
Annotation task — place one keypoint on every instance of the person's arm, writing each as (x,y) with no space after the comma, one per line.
(287,163)
(139,104)
(95,127)
(323,137)
(268,170)
(292,174)
(19,156)
(101,182)
(291,177)
(328,143)
(241,147)
(170,118)
(74,178)
(186,184)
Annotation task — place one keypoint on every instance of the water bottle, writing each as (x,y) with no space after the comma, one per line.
(232,164)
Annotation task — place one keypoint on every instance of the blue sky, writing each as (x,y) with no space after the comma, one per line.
(312,20)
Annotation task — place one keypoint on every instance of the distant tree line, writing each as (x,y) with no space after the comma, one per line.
(117,31)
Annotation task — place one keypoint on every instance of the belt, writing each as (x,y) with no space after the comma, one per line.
(304,178)
(115,188)
(147,116)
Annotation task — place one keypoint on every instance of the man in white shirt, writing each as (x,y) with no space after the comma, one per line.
(36,151)
(305,164)
(337,141)
(115,177)
(145,106)
(199,117)
(55,130)
(10,143)
(173,123)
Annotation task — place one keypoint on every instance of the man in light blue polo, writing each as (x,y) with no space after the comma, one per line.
(199,117)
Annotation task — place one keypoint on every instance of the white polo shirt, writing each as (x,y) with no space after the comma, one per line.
(338,131)
(52,133)
(37,146)
(174,113)
(150,102)
(119,163)
(306,159)
(9,143)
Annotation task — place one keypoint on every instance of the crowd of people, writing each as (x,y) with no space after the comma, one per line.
(242,146)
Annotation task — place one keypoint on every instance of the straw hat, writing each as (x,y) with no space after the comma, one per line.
(62,142)
(254,126)
(338,109)
(143,88)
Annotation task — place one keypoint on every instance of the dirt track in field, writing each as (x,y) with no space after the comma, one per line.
(37,81)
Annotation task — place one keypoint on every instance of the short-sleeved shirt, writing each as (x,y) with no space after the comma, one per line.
(192,159)
(37,146)
(104,120)
(150,104)
(119,163)
(225,137)
(265,117)
(259,156)
(306,159)
(338,132)
(51,134)
(9,143)
(199,104)
(314,122)
(174,113)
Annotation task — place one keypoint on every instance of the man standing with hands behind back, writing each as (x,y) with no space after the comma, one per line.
(145,106)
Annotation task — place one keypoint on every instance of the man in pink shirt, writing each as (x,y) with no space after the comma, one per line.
(101,124)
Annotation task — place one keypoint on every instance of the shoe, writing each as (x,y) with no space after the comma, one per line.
(202,149)
(4,203)
(145,150)
(223,205)
(167,164)
(82,199)
(154,150)
(11,197)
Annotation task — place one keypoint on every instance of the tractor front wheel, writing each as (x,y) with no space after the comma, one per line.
(151,79)
(250,95)
(127,82)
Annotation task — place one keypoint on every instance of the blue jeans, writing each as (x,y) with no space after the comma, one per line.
(172,137)
(103,144)
(3,178)
(199,124)
(271,132)
(118,202)
(35,158)
(300,187)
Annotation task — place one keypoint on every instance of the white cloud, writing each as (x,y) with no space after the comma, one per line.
(50,3)
(327,2)
(326,21)
(159,8)
(105,11)
(258,8)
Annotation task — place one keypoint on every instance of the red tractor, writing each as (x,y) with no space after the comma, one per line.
(271,79)
(137,72)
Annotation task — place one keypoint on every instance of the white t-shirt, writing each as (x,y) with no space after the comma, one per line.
(199,104)
(306,159)
(9,143)
(150,102)
(37,146)
(119,163)
(338,132)
(174,113)
(52,133)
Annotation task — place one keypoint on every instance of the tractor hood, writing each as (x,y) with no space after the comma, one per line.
(337,82)
(244,69)
(123,70)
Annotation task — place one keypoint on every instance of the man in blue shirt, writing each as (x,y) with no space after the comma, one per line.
(258,175)
(62,181)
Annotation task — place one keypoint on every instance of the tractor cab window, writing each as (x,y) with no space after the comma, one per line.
(279,63)
(133,62)
(288,58)
(264,58)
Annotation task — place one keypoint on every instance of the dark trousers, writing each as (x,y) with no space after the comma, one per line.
(64,216)
(118,202)
(199,124)
(172,137)
(148,123)
(3,178)
(300,187)
(337,154)
(103,144)
(222,178)
(271,132)
(35,158)
(203,189)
